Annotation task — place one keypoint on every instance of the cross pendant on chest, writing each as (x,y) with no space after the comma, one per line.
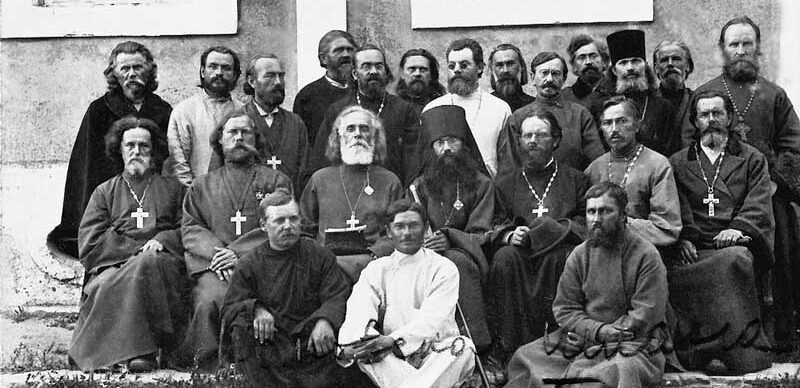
(540,210)
(140,215)
(352,222)
(238,219)
(274,162)
(710,200)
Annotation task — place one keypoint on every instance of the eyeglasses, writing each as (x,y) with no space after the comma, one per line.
(450,141)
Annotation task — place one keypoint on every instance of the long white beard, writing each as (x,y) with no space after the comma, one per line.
(357,155)
(714,140)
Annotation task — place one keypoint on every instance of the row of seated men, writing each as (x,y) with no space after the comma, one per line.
(518,168)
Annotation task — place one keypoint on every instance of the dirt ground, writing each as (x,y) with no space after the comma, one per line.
(35,339)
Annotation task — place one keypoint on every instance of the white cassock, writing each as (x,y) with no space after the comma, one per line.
(419,293)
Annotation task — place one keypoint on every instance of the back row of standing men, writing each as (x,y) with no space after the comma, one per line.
(521,152)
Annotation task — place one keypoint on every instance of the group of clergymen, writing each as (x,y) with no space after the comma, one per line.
(597,233)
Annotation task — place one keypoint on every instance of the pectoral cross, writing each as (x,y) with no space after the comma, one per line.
(352,222)
(274,162)
(540,210)
(140,215)
(710,200)
(238,219)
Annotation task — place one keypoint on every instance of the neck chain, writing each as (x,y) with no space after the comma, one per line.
(360,192)
(740,114)
(480,101)
(140,202)
(457,205)
(540,200)
(628,169)
(238,201)
(380,109)
(644,110)
(716,173)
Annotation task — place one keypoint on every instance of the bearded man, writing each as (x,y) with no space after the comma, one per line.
(459,198)
(400,119)
(131,75)
(765,118)
(725,194)
(196,118)
(220,209)
(335,54)
(419,78)
(532,244)
(672,61)
(130,244)
(508,74)
(579,144)
(634,79)
(285,301)
(280,135)
(343,204)
(589,59)
(609,306)
(486,114)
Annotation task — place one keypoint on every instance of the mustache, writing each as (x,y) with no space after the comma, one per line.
(345,61)
(589,67)
(632,73)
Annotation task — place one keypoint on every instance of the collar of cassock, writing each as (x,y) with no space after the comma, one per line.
(558,101)
(335,83)
(401,259)
(263,113)
(215,99)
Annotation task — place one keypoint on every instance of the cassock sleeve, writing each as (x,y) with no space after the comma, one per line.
(592,146)
(787,125)
(198,240)
(99,243)
(179,139)
(663,225)
(171,238)
(362,305)
(480,219)
(241,297)
(309,209)
(649,298)
(334,290)
(754,217)
(438,306)
(569,307)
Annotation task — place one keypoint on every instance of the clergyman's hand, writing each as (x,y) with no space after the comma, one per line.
(609,333)
(438,242)
(518,236)
(727,238)
(223,259)
(152,245)
(322,340)
(263,325)
(688,252)
(572,343)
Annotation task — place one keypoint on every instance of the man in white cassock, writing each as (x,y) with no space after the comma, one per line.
(400,326)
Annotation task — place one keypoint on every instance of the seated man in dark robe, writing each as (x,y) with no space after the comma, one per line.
(130,245)
(525,269)
(285,301)
(343,205)
(609,307)
(220,224)
(727,238)
(458,195)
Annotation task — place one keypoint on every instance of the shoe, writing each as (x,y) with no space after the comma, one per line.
(142,364)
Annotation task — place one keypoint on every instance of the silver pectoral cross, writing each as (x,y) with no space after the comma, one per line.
(274,162)
(540,210)
(238,219)
(710,200)
(140,215)
(352,222)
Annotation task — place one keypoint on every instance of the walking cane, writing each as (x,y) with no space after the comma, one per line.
(481,371)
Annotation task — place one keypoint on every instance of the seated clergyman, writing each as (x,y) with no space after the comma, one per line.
(609,307)
(130,244)
(400,325)
(727,240)
(285,301)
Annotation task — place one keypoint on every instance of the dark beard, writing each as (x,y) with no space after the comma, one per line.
(606,238)
(416,91)
(741,70)
(372,89)
(442,173)
(462,86)
(507,87)
(534,160)
(274,97)
(241,155)
(590,75)
(225,89)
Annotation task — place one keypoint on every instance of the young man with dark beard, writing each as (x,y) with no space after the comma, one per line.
(609,307)
(672,62)
(725,194)
(544,208)
(633,78)
(765,118)
(508,72)
(589,60)
(220,209)
(459,198)
(419,78)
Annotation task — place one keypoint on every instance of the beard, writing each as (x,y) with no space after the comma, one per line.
(272,97)
(448,169)
(358,152)
(590,74)
(741,69)
(534,158)
(372,86)
(507,86)
(133,87)
(241,154)
(137,166)
(627,84)
(341,69)
(714,136)
(222,87)
(672,80)
(461,85)
(414,88)
(606,236)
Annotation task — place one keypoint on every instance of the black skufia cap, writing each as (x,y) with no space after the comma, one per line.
(626,44)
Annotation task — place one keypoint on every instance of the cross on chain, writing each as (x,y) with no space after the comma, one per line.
(140,215)
(352,222)
(710,200)
(238,219)
(274,162)
(540,210)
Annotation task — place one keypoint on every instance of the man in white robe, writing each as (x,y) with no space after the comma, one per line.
(400,323)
